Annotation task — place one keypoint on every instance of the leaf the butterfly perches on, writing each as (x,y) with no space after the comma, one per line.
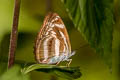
(52,44)
(69,73)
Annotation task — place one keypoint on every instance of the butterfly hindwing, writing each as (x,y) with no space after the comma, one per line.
(52,40)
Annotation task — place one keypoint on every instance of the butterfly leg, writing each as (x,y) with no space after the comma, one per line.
(58,63)
(70,60)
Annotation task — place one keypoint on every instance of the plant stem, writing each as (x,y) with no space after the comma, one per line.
(14,32)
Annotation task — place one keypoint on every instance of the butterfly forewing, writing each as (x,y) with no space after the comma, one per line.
(52,40)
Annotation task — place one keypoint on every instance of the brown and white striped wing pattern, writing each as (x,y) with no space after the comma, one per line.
(52,44)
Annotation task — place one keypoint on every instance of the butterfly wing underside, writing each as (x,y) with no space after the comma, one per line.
(52,40)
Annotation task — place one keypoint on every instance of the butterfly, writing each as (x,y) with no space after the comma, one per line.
(52,44)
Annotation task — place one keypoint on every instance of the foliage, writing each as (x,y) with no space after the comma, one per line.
(14,74)
(94,19)
(61,71)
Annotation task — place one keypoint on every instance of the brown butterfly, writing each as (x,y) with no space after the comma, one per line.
(52,44)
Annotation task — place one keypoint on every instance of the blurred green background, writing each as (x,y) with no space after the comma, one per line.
(32,13)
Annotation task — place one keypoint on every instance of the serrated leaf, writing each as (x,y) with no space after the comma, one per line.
(94,19)
(61,71)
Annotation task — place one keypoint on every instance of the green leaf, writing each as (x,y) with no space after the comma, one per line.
(14,74)
(61,71)
(94,19)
